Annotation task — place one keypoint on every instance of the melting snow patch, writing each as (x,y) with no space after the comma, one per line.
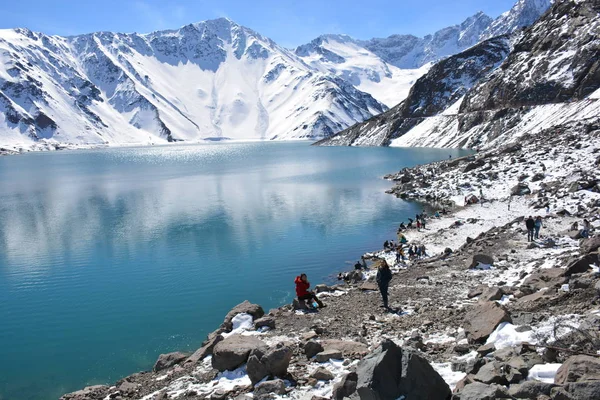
(506,335)
(449,376)
(241,323)
(543,372)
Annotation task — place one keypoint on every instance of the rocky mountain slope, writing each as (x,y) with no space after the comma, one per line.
(214,79)
(550,77)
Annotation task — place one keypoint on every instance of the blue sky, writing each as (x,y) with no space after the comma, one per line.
(288,22)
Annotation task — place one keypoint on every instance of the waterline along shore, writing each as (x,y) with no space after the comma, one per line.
(488,314)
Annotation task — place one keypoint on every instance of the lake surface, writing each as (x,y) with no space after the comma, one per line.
(110,257)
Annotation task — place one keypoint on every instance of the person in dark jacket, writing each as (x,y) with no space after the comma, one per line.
(302,285)
(530,224)
(384,276)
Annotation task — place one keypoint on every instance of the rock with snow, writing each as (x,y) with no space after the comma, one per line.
(582,264)
(520,189)
(273,361)
(168,360)
(233,351)
(245,307)
(484,259)
(483,318)
(578,368)
(491,373)
(268,322)
(391,372)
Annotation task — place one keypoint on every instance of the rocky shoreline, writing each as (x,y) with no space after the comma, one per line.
(524,323)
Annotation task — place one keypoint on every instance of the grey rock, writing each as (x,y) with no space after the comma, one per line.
(486,349)
(520,190)
(276,386)
(576,368)
(530,389)
(346,387)
(278,359)
(491,294)
(322,374)
(481,391)
(234,351)
(490,373)
(586,390)
(547,277)
(483,318)
(390,372)
(168,360)
(329,354)
(589,245)
(581,265)
(311,348)
(481,259)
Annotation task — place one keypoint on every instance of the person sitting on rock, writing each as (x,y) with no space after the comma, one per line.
(302,285)
(402,239)
(383,278)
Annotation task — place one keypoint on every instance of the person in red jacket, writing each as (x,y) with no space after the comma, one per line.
(302,285)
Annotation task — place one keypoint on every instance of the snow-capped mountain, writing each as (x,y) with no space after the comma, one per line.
(212,79)
(350,60)
(550,78)
(387,68)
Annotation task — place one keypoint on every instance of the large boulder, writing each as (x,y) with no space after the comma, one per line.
(273,361)
(578,368)
(589,245)
(491,294)
(546,277)
(349,348)
(391,372)
(322,374)
(234,351)
(243,308)
(268,322)
(582,264)
(491,373)
(483,319)
(481,259)
(168,360)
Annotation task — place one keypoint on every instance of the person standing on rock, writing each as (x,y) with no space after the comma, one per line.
(530,224)
(587,227)
(538,226)
(383,278)
(302,285)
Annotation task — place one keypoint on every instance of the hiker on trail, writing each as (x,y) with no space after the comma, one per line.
(418,224)
(423,223)
(530,224)
(418,251)
(509,200)
(538,226)
(302,285)
(423,250)
(411,253)
(399,254)
(587,227)
(383,278)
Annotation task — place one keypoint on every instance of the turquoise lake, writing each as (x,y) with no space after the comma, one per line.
(110,257)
